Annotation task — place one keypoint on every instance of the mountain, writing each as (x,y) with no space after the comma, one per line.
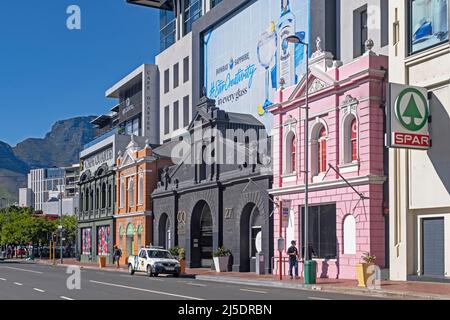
(60,147)
(12,172)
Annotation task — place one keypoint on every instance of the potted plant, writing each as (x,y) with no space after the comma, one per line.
(221,259)
(361,269)
(180,254)
(182,259)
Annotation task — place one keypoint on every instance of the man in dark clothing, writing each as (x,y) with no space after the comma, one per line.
(293,259)
(117,254)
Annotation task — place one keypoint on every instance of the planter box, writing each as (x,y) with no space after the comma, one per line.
(221,264)
(183,266)
(362,275)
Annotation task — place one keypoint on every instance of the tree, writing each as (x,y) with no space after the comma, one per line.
(412,111)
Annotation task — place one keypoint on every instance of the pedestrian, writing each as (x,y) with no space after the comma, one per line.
(293,259)
(117,254)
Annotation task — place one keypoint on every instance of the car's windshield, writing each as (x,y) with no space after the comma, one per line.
(159,254)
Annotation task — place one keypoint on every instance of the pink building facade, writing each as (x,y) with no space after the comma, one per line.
(346,135)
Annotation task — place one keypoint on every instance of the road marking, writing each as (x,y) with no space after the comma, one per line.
(317,298)
(38,290)
(255,291)
(2,279)
(145,290)
(18,284)
(26,270)
(66,298)
(196,284)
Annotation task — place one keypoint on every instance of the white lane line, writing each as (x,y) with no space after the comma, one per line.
(196,284)
(18,284)
(2,279)
(39,290)
(145,290)
(25,270)
(66,298)
(255,291)
(317,298)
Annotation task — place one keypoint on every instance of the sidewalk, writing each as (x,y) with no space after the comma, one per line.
(389,289)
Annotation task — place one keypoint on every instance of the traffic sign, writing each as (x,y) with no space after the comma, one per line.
(408,117)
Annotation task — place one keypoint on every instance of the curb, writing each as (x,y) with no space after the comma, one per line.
(323,288)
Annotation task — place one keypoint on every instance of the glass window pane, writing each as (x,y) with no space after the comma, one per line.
(428,23)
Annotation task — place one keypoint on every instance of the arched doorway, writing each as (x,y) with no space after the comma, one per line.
(202,236)
(164,232)
(250,237)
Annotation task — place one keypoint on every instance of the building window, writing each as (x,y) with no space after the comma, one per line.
(322,151)
(167,28)
(354,140)
(176,74)
(176,115)
(141,189)
(215,3)
(103,195)
(166,120)
(321,231)
(291,154)
(428,24)
(166,81)
(131,192)
(185,69)
(186,113)
(192,11)
(349,139)
(122,193)
(109,196)
(360,31)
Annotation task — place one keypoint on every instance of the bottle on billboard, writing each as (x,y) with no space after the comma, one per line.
(286,52)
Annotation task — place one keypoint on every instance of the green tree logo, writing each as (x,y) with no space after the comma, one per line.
(410,116)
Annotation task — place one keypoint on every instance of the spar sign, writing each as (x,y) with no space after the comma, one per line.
(408,117)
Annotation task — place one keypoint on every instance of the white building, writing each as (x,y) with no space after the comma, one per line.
(360,20)
(44,186)
(419,52)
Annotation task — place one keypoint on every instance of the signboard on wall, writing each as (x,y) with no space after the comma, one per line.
(285,213)
(95,161)
(246,56)
(408,117)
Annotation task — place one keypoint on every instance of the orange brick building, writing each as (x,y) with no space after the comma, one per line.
(136,178)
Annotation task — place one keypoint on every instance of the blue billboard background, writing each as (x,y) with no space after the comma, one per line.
(247,56)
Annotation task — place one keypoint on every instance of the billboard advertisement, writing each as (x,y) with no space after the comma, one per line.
(247,56)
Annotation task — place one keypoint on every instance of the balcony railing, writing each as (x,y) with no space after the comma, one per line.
(102,137)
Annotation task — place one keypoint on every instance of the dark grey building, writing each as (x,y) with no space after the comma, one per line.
(202,205)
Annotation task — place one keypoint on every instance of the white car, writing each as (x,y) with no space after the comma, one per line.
(154,261)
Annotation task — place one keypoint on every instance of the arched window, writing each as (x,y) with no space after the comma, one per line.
(91,200)
(354,140)
(97,198)
(349,235)
(322,151)
(291,153)
(103,195)
(122,193)
(86,200)
(141,189)
(131,193)
(82,207)
(109,196)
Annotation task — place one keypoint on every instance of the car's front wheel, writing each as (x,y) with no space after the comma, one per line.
(130,269)
(149,271)
(176,275)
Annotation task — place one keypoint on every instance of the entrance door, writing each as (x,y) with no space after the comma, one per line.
(206,238)
(433,247)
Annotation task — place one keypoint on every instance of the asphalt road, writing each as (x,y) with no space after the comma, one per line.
(25,281)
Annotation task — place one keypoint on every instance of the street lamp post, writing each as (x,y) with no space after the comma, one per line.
(298,38)
(60,227)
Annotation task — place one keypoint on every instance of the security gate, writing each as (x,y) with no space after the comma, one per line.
(433,247)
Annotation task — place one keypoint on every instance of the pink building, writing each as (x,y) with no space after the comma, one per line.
(346,219)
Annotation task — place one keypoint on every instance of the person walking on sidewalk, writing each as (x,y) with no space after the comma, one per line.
(293,259)
(117,255)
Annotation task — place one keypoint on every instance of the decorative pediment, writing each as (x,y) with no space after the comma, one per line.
(349,105)
(127,159)
(317,80)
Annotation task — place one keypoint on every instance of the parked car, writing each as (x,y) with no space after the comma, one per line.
(154,261)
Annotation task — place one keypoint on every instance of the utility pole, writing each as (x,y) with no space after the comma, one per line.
(60,227)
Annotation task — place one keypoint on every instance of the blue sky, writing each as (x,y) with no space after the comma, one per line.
(49,73)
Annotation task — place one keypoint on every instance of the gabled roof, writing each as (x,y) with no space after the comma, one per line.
(317,80)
